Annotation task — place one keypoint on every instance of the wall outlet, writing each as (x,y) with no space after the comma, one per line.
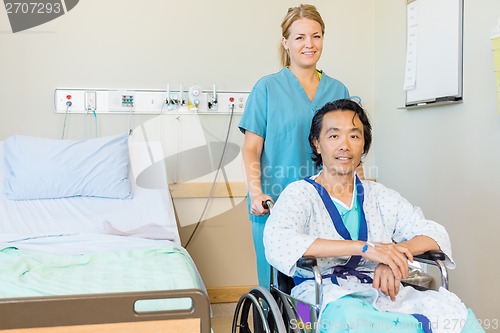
(76,97)
(90,100)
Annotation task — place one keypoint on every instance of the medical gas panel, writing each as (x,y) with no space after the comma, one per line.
(120,101)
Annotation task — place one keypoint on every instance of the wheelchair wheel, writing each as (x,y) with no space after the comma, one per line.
(258,312)
(288,314)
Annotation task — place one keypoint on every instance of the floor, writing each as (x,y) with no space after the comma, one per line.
(222,318)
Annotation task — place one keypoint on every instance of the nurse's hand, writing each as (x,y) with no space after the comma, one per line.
(256,207)
(385,281)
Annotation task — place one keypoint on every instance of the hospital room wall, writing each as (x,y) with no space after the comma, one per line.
(130,44)
(443,159)
(446,159)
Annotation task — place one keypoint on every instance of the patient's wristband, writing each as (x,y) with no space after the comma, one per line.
(365,247)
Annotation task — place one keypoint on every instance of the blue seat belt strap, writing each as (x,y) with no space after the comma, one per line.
(337,219)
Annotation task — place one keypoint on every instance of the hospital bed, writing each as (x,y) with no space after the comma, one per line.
(87,245)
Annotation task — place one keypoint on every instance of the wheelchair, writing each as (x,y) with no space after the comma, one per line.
(275,311)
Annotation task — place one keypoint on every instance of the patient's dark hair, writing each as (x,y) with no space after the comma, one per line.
(338,105)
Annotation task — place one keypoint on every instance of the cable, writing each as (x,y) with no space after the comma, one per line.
(175,176)
(68,104)
(130,120)
(215,178)
(86,131)
(96,124)
(86,121)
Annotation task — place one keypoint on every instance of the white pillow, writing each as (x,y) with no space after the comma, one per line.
(38,168)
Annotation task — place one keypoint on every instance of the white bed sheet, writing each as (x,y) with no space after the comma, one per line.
(77,243)
(149,214)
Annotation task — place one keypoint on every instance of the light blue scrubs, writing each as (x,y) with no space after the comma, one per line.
(279,110)
(350,216)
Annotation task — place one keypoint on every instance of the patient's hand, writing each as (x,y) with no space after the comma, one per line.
(385,280)
(393,255)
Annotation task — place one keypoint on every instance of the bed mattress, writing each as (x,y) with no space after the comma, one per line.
(90,264)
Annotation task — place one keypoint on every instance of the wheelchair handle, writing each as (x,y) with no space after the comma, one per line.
(268,204)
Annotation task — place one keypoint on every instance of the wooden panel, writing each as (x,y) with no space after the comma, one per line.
(157,326)
(227,294)
(202,190)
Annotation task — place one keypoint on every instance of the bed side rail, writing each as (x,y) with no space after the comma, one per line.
(69,310)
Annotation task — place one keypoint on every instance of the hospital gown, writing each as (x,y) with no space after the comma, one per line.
(300,216)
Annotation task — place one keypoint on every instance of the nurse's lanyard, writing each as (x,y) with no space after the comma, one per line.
(350,267)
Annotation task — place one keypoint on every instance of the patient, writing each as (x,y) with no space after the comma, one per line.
(363,235)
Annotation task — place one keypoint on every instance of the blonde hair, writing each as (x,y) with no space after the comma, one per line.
(296,13)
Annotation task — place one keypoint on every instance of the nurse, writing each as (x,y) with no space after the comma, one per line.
(277,118)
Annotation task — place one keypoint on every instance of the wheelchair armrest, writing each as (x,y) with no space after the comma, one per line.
(435,258)
(310,263)
(431,255)
(307,262)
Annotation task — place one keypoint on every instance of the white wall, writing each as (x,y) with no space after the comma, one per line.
(147,44)
(446,159)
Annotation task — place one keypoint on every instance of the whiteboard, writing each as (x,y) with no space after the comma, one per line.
(437,43)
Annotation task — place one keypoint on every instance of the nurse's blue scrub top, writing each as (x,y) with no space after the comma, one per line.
(279,110)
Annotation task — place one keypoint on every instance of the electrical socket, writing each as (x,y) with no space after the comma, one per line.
(227,100)
(90,101)
(63,96)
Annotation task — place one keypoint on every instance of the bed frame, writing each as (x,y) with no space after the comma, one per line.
(106,313)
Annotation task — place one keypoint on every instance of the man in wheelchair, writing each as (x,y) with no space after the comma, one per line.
(363,234)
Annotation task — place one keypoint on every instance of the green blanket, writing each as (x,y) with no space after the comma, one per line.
(27,273)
